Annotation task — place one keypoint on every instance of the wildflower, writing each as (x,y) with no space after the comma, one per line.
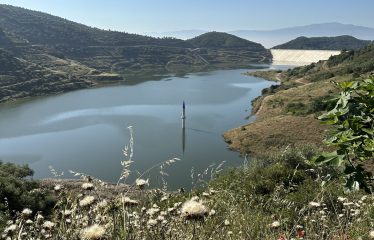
(164,198)
(88,186)
(170,210)
(58,188)
(230,233)
(48,225)
(102,204)
(11,228)
(39,218)
(342,199)
(141,183)
(348,204)
(227,222)
(151,223)
(212,212)
(87,201)
(26,213)
(275,224)
(314,204)
(192,209)
(160,218)
(66,212)
(371,234)
(205,194)
(93,232)
(152,211)
(29,222)
(129,202)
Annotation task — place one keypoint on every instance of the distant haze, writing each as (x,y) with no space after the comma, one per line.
(270,38)
(145,16)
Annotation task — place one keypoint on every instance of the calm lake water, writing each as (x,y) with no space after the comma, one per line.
(86,130)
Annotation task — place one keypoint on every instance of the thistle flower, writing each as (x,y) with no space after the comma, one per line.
(48,225)
(151,223)
(66,212)
(314,204)
(26,212)
(10,229)
(29,222)
(371,234)
(39,218)
(87,201)
(93,232)
(88,186)
(129,202)
(152,211)
(140,183)
(275,224)
(192,209)
(58,188)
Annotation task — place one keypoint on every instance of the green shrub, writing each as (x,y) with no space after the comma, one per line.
(21,192)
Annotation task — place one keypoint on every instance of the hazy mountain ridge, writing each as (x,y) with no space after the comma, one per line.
(270,38)
(325,43)
(50,54)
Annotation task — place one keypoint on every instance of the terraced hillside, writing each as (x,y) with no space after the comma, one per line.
(48,54)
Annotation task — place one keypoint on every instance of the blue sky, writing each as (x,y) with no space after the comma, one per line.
(140,16)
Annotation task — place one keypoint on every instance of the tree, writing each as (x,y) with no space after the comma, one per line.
(353,138)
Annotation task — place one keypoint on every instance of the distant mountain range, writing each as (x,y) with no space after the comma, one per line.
(270,38)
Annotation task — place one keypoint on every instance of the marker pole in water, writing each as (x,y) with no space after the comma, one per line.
(183,115)
(183,126)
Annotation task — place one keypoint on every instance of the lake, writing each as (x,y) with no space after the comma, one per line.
(86,130)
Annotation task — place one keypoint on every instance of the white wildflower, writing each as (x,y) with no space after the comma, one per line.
(212,212)
(371,234)
(275,224)
(26,212)
(48,225)
(39,218)
(58,188)
(227,222)
(129,202)
(342,199)
(141,183)
(88,186)
(152,211)
(151,223)
(29,222)
(314,204)
(87,201)
(11,228)
(192,209)
(93,232)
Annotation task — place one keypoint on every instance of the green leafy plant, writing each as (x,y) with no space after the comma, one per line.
(353,139)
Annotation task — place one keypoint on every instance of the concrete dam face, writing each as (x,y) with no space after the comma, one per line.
(300,57)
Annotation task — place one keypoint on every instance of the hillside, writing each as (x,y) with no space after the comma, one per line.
(59,55)
(270,38)
(286,114)
(324,43)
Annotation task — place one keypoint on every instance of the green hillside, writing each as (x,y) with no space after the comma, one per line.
(59,55)
(325,43)
(222,40)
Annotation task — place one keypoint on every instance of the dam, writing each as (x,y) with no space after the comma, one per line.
(300,57)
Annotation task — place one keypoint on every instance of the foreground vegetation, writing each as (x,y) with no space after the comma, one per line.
(279,196)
